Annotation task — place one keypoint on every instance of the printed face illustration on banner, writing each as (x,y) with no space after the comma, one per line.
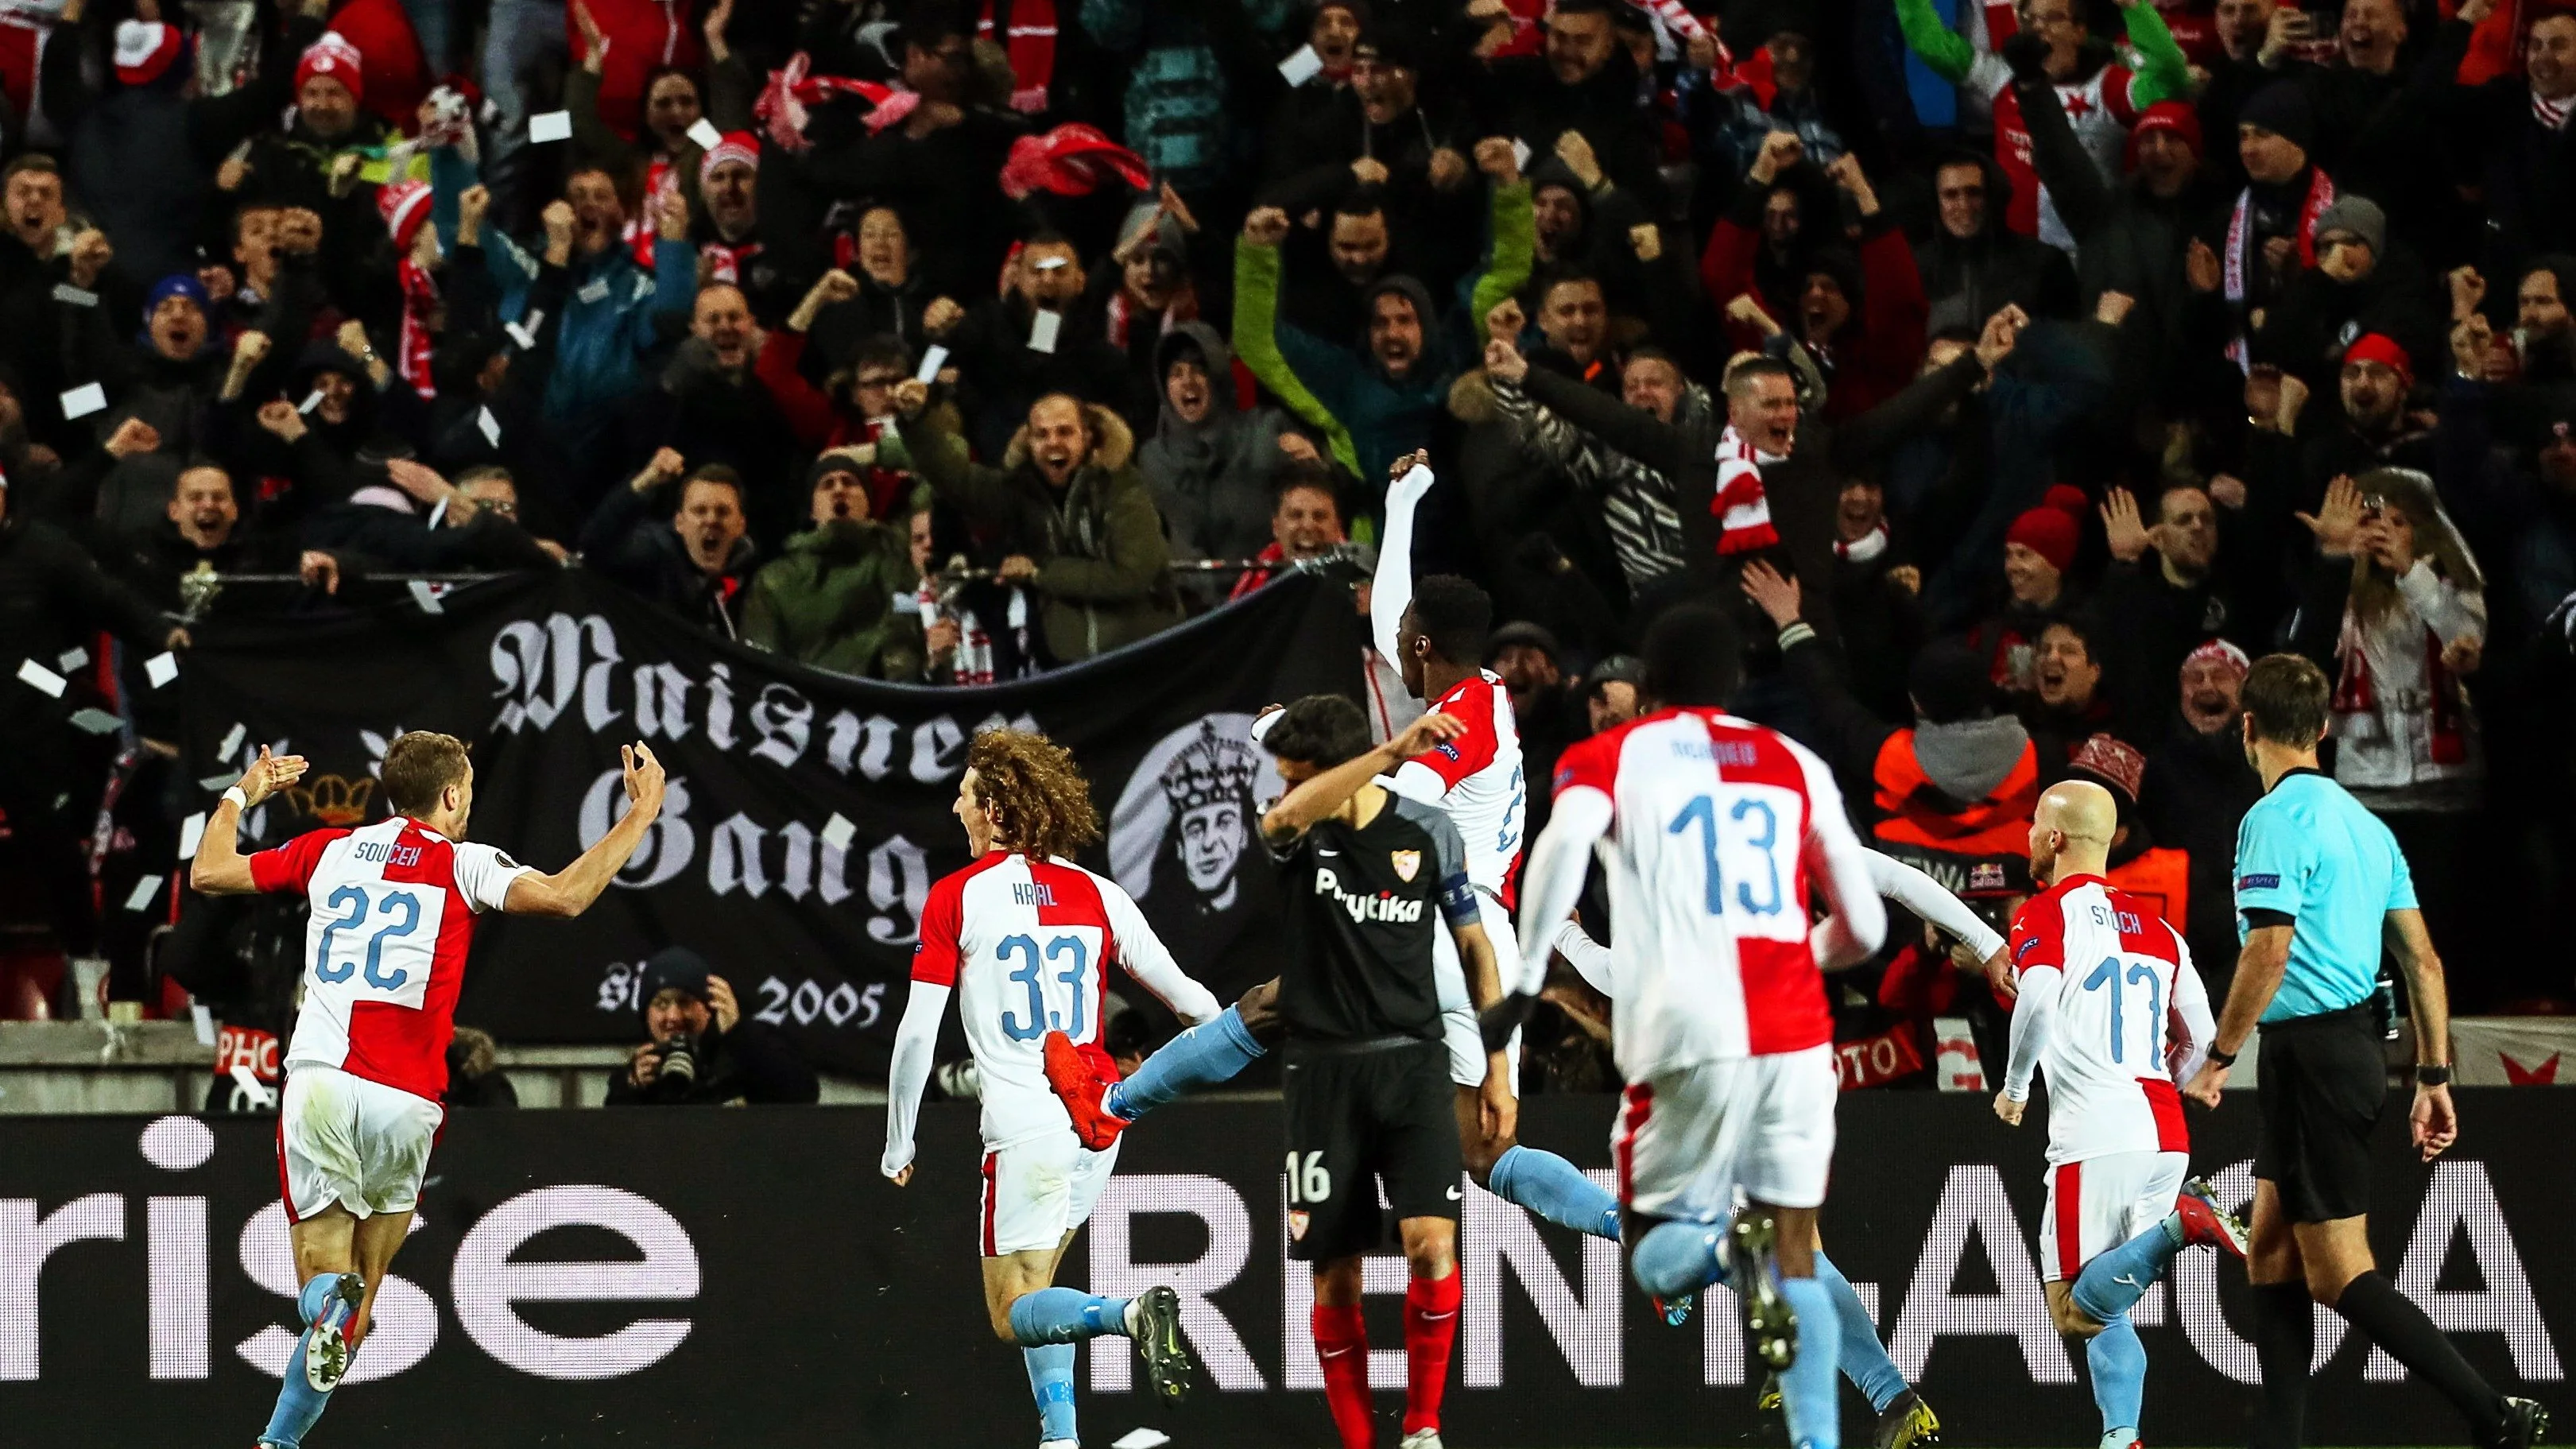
(1189,804)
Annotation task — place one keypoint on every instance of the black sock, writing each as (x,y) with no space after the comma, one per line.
(2285,1341)
(2391,1320)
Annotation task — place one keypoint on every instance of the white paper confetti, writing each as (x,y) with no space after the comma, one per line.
(96,721)
(933,358)
(232,740)
(205,1023)
(706,134)
(71,659)
(42,678)
(1301,67)
(1141,1439)
(490,425)
(161,668)
(141,898)
(83,400)
(549,126)
(1043,330)
(838,832)
(191,831)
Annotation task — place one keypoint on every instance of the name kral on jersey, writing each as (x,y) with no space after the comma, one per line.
(1032,893)
(1383,906)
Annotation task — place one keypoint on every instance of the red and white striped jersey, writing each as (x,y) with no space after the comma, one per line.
(1717,826)
(1027,945)
(2107,985)
(393,914)
(1477,779)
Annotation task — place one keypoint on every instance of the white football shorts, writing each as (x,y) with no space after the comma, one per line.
(2099,1203)
(344,1139)
(1687,1141)
(1037,1191)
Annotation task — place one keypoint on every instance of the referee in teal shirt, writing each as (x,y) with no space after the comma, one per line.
(2322,891)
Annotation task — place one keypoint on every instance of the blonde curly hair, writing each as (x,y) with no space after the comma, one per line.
(1040,803)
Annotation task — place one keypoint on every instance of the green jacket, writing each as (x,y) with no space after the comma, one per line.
(1104,569)
(2163,74)
(1369,418)
(840,600)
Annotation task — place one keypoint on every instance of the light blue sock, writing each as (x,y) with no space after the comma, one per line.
(1810,1388)
(2119,1364)
(298,1407)
(1065,1315)
(1556,1190)
(1198,1058)
(1864,1358)
(2115,1281)
(1051,1379)
(1677,1258)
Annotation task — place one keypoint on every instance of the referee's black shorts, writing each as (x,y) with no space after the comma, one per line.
(1359,1113)
(2322,1081)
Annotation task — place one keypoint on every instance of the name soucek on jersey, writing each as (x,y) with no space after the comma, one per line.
(1361,909)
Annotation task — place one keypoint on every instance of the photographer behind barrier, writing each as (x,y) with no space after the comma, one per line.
(703,1050)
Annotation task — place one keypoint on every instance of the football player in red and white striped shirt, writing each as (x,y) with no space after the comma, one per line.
(393,912)
(1719,836)
(1024,939)
(2110,1006)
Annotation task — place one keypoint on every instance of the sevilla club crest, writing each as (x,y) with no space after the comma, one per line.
(1406,863)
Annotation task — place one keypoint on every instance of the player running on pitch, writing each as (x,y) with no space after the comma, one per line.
(393,914)
(1720,833)
(1904,1419)
(1025,939)
(1438,633)
(2101,976)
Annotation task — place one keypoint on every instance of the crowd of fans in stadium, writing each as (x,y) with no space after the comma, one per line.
(2111,345)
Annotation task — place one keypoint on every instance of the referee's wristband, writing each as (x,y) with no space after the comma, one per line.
(2220,1058)
(2428,1074)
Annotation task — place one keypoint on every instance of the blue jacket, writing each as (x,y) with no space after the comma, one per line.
(611,320)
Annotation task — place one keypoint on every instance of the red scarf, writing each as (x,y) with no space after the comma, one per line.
(1031,47)
(2354,695)
(1184,307)
(787,102)
(729,259)
(420,299)
(2240,259)
(1742,511)
(642,232)
(1271,554)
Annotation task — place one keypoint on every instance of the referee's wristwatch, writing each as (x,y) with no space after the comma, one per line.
(2432,1074)
(2219,1058)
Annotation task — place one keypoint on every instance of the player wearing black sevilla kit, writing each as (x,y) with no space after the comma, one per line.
(1370,879)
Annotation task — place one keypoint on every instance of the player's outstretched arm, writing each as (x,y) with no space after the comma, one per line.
(570,891)
(220,868)
(1856,919)
(908,1073)
(1552,877)
(1896,881)
(1324,793)
(1149,961)
(1391,592)
(2260,965)
(2435,1120)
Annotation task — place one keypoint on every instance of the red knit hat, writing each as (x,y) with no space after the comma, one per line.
(2174,116)
(405,207)
(2381,348)
(335,57)
(737,147)
(2114,763)
(2051,529)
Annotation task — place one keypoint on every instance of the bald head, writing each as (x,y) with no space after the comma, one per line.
(2070,833)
